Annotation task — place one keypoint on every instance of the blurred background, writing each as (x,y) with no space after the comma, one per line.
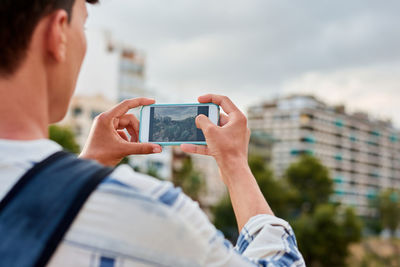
(319,81)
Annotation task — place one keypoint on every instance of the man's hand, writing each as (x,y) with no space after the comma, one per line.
(108,143)
(227,143)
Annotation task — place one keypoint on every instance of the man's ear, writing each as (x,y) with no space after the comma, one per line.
(56,42)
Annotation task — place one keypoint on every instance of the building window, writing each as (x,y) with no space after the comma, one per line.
(296,152)
(308,139)
(78,130)
(305,118)
(338,157)
(371,194)
(375,133)
(338,179)
(353,138)
(94,114)
(393,138)
(374,174)
(339,123)
(77,111)
(339,192)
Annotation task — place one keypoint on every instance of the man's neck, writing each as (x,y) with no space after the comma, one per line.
(23,106)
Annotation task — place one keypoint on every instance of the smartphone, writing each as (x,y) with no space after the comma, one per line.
(174,124)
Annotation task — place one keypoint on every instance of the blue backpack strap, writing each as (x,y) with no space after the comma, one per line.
(40,208)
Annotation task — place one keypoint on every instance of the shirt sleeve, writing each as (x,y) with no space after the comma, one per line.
(264,241)
(269,241)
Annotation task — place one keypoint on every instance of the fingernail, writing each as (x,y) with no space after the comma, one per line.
(157,149)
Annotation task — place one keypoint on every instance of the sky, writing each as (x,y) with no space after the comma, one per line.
(344,52)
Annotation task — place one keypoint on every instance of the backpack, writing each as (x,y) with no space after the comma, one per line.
(40,208)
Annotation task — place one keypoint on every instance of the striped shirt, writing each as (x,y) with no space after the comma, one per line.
(135,220)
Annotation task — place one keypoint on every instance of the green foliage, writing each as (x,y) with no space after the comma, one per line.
(317,235)
(152,171)
(324,237)
(388,204)
(372,224)
(352,226)
(311,179)
(324,231)
(189,179)
(224,218)
(65,137)
(278,193)
(124,161)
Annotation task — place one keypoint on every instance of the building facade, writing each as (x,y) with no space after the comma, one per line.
(362,154)
(111,73)
(131,74)
(81,113)
(214,188)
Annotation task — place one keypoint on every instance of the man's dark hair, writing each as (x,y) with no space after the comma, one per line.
(18,20)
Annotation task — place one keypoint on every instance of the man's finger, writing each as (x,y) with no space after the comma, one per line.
(223,101)
(135,148)
(131,123)
(123,135)
(195,149)
(127,119)
(223,119)
(123,107)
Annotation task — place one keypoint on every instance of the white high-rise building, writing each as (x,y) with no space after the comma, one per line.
(132,74)
(362,153)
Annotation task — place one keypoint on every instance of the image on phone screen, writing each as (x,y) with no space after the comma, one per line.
(176,124)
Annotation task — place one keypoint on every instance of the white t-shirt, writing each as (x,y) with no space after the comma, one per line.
(135,220)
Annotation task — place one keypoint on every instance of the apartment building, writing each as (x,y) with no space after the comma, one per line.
(131,74)
(111,73)
(362,153)
(214,188)
(81,113)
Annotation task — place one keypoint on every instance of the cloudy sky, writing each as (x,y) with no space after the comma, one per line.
(342,51)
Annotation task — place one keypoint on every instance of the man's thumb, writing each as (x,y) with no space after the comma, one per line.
(203,122)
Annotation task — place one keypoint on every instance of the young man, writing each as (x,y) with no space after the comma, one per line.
(130,219)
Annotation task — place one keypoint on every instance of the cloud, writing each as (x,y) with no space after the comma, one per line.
(375,89)
(252,49)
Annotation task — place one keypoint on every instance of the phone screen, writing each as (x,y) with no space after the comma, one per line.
(176,124)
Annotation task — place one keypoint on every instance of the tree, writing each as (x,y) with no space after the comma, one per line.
(311,180)
(278,194)
(124,161)
(324,231)
(352,226)
(324,235)
(189,179)
(152,171)
(224,219)
(65,137)
(389,209)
